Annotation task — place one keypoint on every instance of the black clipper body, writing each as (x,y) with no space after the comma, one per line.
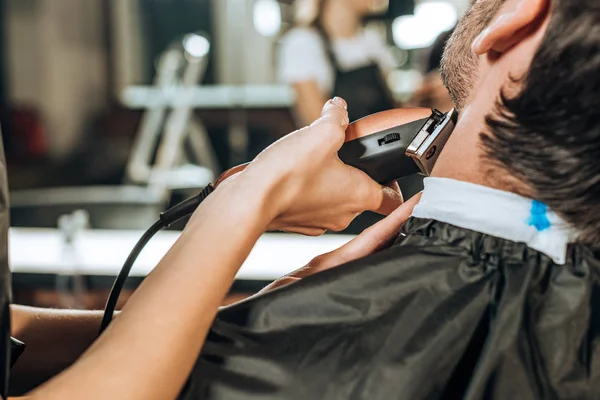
(401,151)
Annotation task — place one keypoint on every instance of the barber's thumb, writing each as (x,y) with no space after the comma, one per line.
(335,111)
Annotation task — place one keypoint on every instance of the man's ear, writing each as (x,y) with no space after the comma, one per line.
(514,22)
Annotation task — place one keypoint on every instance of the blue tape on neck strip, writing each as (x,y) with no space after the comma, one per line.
(539,216)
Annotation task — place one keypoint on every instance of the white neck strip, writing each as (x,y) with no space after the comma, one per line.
(496,213)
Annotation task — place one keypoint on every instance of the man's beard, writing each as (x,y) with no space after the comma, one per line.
(459,64)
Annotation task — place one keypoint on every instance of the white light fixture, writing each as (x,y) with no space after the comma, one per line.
(404,81)
(196,45)
(442,14)
(267,17)
(422,29)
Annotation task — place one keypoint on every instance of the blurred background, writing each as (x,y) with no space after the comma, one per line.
(111,110)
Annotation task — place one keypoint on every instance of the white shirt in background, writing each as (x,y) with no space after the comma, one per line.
(303,57)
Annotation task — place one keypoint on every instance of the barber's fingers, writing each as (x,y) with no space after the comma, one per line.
(333,122)
(377,198)
(306,231)
(391,200)
(371,240)
(286,280)
(335,110)
(379,234)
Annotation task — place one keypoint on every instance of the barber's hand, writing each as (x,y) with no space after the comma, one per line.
(310,190)
(373,239)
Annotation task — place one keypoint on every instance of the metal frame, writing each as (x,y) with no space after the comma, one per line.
(176,70)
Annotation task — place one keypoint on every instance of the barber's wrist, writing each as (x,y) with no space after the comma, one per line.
(242,198)
(258,193)
(278,189)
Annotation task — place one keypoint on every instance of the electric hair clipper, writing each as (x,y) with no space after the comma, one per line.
(402,150)
(392,144)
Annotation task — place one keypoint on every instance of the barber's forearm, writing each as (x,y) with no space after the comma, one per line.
(148,352)
(54,340)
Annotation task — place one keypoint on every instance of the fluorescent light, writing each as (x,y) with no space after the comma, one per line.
(422,29)
(404,81)
(410,33)
(267,17)
(440,14)
(196,45)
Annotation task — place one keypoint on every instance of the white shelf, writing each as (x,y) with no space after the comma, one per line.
(102,252)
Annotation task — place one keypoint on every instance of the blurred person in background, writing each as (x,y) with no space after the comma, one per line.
(329,53)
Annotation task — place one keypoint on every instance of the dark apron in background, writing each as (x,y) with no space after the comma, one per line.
(366,92)
(363,88)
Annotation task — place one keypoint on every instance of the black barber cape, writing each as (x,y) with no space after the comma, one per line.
(446,313)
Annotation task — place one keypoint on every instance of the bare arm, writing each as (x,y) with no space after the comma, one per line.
(54,339)
(148,351)
(299,183)
(309,101)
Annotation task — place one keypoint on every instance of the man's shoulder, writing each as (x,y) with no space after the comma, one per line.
(364,278)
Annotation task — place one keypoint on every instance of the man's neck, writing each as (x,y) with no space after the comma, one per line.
(461,154)
(464,158)
(340,20)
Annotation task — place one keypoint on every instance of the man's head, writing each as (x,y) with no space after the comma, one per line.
(530,71)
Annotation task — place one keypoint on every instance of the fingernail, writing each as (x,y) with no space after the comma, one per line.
(338,101)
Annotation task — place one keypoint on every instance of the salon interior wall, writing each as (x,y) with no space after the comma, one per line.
(57,63)
(128,46)
(243,56)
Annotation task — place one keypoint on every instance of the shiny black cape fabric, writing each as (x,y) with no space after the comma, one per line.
(446,313)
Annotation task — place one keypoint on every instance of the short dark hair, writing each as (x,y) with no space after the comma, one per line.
(548,134)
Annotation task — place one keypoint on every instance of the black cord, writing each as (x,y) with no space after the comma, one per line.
(167,218)
(115,292)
